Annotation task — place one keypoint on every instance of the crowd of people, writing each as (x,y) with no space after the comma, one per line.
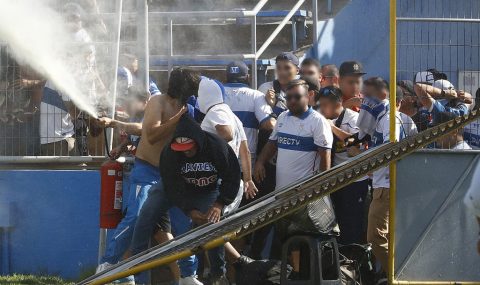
(205,147)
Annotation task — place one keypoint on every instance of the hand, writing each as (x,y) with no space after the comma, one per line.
(214,213)
(270,97)
(259,172)
(465,96)
(116,152)
(332,124)
(106,122)
(353,102)
(250,189)
(198,217)
(353,151)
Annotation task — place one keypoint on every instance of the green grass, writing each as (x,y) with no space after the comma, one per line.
(18,279)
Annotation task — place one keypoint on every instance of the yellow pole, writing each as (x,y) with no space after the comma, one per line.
(164,260)
(393,166)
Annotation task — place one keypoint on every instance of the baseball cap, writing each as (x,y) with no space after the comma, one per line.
(287,56)
(425,77)
(443,84)
(182,144)
(237,69)
(351,68)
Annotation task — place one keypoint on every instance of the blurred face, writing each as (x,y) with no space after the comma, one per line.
(350,85)
(310,70)
(297,100)
(370,91)
(191,152)
(135,107)
(286,71)
(328,108)
(134,66)
(74,23)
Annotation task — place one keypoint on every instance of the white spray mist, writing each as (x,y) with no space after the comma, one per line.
(37,36)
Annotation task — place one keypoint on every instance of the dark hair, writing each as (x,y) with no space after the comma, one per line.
(312,61)
(127,59)
(312,82)
(183,83)
(297,82)
(138,93)
(331,93)
(378,83)
(332,70)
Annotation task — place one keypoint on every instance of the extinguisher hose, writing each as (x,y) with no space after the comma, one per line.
(106,142)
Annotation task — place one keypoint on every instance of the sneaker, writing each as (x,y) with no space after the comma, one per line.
(129,280)
(102,267)
(220,280)
(189,280)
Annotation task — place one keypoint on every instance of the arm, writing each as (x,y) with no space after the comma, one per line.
(325,158)
(246,160)
(339,133)
(155,129)
(268,124)
(267,153)
(225,132)
(129,128)
(421,89)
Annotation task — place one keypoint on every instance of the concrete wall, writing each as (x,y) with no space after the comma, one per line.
(54,218)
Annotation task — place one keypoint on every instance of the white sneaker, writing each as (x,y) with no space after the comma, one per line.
(102,267)
(190,280)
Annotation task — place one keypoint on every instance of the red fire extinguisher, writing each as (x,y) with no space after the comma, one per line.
(111,193)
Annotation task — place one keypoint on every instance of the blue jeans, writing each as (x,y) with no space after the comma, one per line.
(142,178)
(153,215)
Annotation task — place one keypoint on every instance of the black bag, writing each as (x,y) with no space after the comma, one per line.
(260,272)
(356,264)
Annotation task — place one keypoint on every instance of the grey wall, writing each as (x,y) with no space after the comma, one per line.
(436,236)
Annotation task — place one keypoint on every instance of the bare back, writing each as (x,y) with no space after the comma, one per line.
(160,109)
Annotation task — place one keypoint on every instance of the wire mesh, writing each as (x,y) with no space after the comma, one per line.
(437,64)
(31,123)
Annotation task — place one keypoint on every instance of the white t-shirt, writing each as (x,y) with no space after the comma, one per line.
(462,146)
(221,114)
(55,121)
(349,125)
(405,128)
(250,107)
(298,139)
(281,104)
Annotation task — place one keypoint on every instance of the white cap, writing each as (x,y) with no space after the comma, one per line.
(443,84)
(425,77)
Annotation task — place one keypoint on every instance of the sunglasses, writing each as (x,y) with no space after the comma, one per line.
(295,97)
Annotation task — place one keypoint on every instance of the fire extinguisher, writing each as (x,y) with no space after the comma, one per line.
(111,194)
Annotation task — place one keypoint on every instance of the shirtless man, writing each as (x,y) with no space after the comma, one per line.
(162,114)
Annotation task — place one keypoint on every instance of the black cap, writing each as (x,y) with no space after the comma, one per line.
(287,56)
(236,70)
(351,68)
(312,82)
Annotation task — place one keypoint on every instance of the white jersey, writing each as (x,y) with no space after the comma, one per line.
(55,120)
(250,107)
(281,104)
(298,139)
(222,115)
(349,125)
(471,134)
(462,145)
(405,128)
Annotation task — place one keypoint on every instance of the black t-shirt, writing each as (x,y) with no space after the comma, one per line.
(199,175)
